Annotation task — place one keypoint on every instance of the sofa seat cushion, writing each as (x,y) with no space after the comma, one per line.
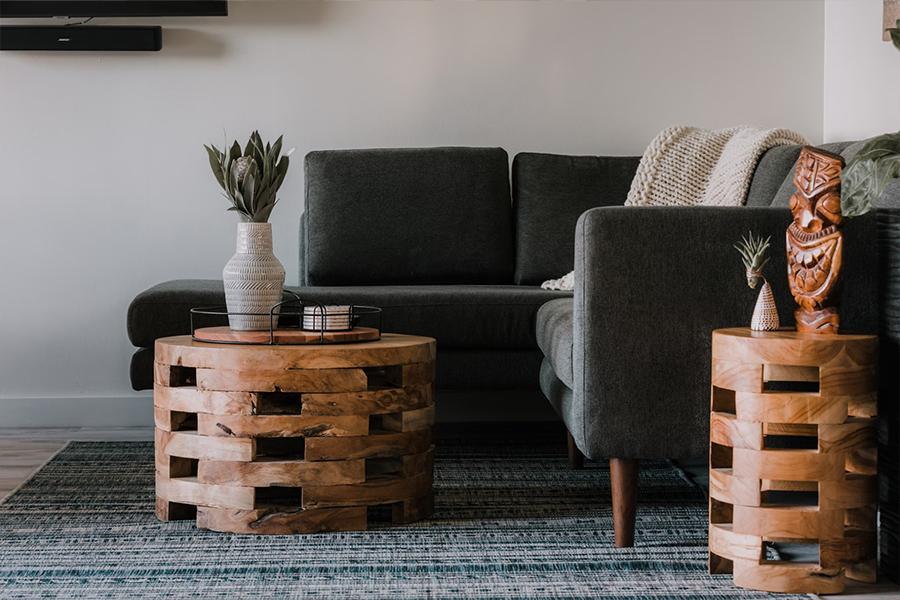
(458,316)
(555,337)
(408,216)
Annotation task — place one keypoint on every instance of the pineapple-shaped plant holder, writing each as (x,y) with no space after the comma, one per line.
(753,253)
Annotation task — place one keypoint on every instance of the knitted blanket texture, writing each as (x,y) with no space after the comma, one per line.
(688,166)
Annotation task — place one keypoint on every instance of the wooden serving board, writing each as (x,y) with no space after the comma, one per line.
(284,336)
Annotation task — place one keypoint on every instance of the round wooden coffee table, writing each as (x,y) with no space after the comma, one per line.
(793,442)
(293,439)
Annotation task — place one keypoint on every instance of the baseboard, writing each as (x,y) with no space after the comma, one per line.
(137,410)
(116,411)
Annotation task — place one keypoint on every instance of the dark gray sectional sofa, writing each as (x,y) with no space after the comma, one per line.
(440,240)
(451,246)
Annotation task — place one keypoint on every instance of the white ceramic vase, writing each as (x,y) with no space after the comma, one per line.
(254,279)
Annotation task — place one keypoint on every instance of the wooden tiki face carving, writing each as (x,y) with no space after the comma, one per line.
(815,245)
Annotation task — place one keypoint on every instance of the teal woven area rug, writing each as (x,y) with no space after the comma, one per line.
(511,521)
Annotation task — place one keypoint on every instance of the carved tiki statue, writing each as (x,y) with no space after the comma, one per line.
(815,244)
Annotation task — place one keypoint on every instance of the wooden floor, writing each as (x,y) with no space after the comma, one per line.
(24,451)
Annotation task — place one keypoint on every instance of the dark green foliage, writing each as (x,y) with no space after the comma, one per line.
(864,178)
(251,178)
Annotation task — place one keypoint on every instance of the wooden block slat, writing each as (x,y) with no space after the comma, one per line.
(174,511)
(787,578)
(410,375)
(281,520)
(778,521)
(172,375)
(865,571)
(789,373)
(373,402)
(724,542)
(169,420)
(189,444)
(410,511)
(841,381)
(862,517)
(863,406)
(305,380)
(787,407)
(855,546)
(385,491)
(284,473)
(737,376)
(268,426)
(724,486)
(863,461)
(793,429)
(187,490)
(856,434)
(788,465)
(190,399)
(391,349)
(790,348)
(725,429)
(767,485)
(411,420)
(375,445)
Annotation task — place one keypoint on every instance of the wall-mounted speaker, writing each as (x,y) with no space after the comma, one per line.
(33,37)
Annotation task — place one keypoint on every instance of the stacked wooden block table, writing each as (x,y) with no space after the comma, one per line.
(793,457)
(293,439)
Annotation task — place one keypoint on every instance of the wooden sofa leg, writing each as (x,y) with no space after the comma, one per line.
(576,458)
(624,475)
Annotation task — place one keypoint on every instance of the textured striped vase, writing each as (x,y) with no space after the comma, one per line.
(254,279)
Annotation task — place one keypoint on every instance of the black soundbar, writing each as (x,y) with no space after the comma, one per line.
(34,37)
(113,8)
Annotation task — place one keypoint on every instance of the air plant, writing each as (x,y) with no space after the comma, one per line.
(250,179)
(753,254)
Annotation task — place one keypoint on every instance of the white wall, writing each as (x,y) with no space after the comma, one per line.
(862,72)
(105,187)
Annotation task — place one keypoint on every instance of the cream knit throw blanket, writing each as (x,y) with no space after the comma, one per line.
(687,166)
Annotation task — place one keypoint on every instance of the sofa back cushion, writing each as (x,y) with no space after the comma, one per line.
(771,170)
(550,192)
(393,216)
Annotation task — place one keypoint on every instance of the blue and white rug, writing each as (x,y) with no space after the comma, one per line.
(511,521)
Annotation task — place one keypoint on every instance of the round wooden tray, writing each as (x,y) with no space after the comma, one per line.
(284,336)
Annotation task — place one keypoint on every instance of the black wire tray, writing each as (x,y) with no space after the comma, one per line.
(295,309)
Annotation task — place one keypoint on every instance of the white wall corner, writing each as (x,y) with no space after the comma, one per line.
(861,85)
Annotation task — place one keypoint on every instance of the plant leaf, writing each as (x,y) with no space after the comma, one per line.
(282,168)
(235,151)
(276,148)
(262,215)
(216,166)
(249,190)
(863,183)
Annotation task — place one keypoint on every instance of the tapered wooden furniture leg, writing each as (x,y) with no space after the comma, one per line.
(576,458)
(624,475)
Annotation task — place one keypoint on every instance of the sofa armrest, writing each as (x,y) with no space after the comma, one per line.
(652,283)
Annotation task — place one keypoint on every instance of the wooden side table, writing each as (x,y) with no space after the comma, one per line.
(293,439)
(793,457)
